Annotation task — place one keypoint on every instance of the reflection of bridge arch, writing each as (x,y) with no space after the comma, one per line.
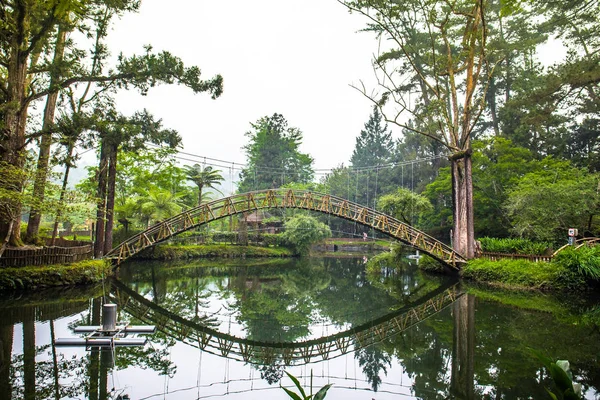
(285,198)
(267,353)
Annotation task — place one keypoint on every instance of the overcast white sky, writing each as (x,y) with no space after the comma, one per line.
(293,57)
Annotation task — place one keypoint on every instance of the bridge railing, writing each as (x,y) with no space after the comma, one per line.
(285,198)
(587,241)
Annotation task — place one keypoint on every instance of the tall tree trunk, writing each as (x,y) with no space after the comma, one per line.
(463,348)
(106,363)
(54,362)
(101,207)
(15,116)
(29,357)
(6,342)
(110,198)
(463,235)
(94,357)
(35,215)
(7,238)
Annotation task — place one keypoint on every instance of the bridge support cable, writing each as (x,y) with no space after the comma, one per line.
(285,198)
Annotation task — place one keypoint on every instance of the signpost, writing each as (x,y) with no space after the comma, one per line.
(572,234)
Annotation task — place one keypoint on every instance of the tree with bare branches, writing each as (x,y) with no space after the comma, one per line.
(432,75)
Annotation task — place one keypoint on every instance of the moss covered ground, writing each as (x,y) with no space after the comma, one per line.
(34,277)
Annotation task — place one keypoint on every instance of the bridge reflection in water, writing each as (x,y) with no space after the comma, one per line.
(91,372)
(286,353)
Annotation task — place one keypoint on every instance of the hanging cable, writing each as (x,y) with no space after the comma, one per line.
(376,182)
(412,189)
(348,197)
(318,171)
(402,177)
(231,176)
(356,197)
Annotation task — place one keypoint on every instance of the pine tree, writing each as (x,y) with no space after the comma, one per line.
(374,144)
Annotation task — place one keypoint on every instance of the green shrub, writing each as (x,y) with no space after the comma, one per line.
(274,239)
(224,237)
(585,261)
(301,231)
(514,246)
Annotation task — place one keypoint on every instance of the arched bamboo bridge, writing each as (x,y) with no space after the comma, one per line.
(287,353)
(285,198)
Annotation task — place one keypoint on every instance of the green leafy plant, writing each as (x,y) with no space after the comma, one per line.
(301,395)
(585,261)
(302,231)
(560,373)
(513,245)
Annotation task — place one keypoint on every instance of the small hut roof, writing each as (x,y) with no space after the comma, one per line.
(258,216)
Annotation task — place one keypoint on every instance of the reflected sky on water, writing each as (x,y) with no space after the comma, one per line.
(230,328)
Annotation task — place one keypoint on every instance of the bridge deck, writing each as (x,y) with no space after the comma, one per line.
(286,198)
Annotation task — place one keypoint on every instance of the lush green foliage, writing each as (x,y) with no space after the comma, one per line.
(302,231)
(514,246)
(553,198)
(585,261)
(149,187)
(79,273)
(38,62)
(517,194)
(404,205)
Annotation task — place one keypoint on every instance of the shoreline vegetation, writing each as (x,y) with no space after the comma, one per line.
(36,277)
(188,251)
(572,271)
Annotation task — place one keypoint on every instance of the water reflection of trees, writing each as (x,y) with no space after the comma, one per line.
(478,349)
(474,349)
(42,372)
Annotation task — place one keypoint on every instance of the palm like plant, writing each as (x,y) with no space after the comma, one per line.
(203,177)
(158,205)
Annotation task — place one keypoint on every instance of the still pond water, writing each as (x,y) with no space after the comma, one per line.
(229,329)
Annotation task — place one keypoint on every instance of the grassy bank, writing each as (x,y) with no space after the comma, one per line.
(182,252)
(523,274)
(79,273)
